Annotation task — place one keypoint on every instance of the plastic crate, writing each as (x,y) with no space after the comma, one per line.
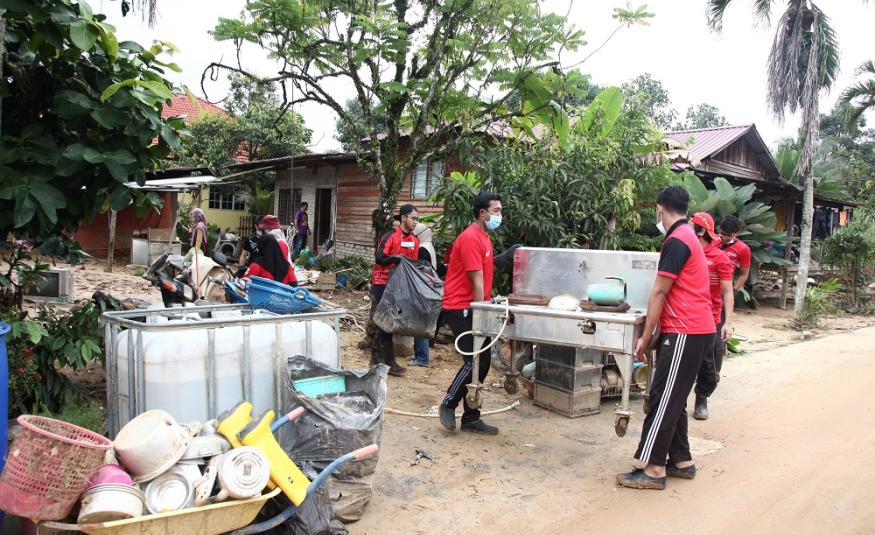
(280,298)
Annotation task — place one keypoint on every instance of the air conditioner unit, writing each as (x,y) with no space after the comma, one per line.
(52,284)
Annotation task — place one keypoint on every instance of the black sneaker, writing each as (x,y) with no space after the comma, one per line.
(397,370)
(638,479)
(479,426)
(671,470)
(448,417)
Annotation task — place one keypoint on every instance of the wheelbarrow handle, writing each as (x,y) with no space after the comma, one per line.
(286,418)
(364,453)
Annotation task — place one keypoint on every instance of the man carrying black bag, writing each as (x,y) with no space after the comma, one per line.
(392,247)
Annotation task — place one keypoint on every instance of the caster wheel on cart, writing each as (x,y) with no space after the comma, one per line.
(474,399)
(621,425)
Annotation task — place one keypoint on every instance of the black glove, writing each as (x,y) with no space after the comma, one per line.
(505,258)
(395,259)
(240,272)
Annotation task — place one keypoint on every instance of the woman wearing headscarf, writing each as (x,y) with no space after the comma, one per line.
(271,262)
(270,224)
(199,230)
(427,255)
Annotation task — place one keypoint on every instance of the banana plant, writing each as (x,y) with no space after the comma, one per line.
(756,220)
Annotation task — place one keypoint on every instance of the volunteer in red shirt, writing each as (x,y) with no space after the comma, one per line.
(271,262)
(469,278)
(393,246)
(737,251)
(680,305)
(720,270)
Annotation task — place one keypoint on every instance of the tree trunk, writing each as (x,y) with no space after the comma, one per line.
(2,55)
(381,218)
(111,252)
(804,248)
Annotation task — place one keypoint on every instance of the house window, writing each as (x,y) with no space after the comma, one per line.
(426,177)
(226,200)
(289,202)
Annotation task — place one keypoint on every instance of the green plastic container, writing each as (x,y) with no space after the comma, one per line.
(323,384)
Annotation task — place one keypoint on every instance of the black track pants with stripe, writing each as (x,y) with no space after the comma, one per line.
(664,436)
(461,321)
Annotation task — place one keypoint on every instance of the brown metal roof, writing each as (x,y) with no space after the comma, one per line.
(301,159)
(709,141)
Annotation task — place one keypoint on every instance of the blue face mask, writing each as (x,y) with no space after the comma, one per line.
(494,222)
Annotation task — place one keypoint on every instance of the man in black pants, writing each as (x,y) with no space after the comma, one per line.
(469,278)
(680,304)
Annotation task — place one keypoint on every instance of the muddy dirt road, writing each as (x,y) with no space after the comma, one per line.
(787,450)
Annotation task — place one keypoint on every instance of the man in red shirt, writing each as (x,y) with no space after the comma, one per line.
(469,278)
(737,251)
(720,270)
(393,245)
(680,305)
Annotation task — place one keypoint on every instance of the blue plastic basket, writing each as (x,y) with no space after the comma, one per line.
(280,298)
(232,294)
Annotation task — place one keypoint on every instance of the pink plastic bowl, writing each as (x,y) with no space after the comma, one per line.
(110,473)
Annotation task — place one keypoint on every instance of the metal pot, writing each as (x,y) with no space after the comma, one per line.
(150,444)
(111,501)
(608,293)
(169,492)
(204,447)
(243,473)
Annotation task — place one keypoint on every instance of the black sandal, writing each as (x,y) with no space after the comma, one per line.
(638,479)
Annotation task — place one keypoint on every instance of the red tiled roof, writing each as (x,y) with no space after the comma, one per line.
(182,106)
(709,141)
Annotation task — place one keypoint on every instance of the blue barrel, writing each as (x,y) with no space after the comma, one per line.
(4,398)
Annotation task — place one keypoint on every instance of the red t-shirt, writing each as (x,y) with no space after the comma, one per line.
(720,269)
(738,253)
(392,244)
(687,308)
(258,271)
(472,251)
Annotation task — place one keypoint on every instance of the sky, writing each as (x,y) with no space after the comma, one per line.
(727,70)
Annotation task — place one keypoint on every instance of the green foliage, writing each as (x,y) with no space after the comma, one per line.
(733,346)
(87,413)
(851,249)
(259,200)
(830,169)
(702,116)
(820,303)
(441,72)
(654,97)
(357,270)
(860,97)
(80,113)
(756,220)
(259,127)
(587,193)
(41,346)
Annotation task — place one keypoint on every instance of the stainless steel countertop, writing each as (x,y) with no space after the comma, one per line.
(630,317)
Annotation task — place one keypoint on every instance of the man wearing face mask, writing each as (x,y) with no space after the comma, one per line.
(469,278)
(680,305)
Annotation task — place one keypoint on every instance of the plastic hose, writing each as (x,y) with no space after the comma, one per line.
(390,410)
(494,339)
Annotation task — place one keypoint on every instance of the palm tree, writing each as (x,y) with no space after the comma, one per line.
(804,60)
(830,171)
(860,97)
(148,9)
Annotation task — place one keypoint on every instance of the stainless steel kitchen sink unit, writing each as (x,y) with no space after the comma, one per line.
(552,272)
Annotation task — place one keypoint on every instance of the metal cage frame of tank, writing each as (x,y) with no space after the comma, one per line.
(138,321)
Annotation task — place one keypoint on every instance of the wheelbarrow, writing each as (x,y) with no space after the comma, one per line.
(226,517)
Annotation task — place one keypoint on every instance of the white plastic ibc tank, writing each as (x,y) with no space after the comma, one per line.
(176,367)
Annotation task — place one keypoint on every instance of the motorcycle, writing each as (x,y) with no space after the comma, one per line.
(178,278)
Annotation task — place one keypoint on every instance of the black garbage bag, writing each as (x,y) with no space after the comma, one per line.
(412,301)
(334,424)
(314,517)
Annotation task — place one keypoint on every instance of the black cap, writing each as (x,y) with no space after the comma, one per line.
(406,209)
